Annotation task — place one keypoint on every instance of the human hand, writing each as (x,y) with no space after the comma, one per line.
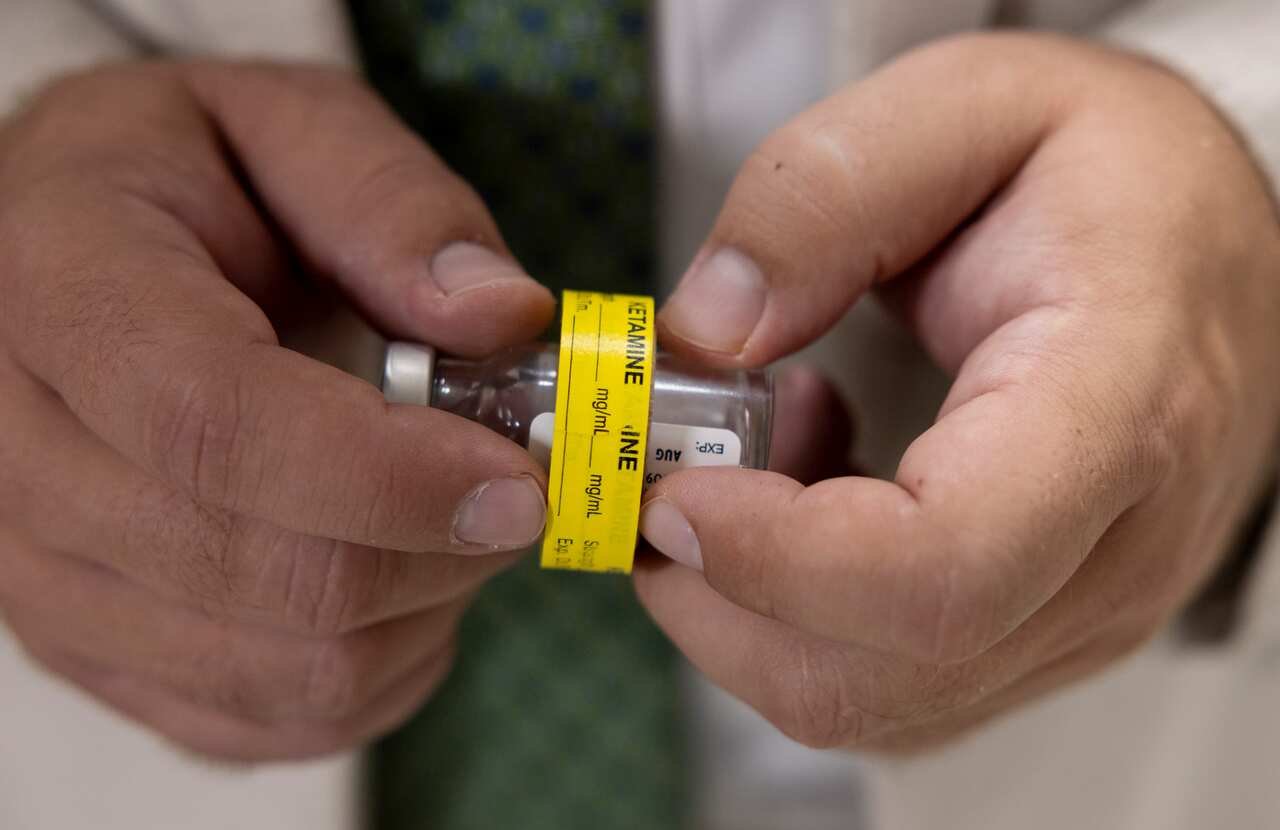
(234,544)
(1083,242)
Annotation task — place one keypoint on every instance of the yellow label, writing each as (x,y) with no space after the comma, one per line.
(602,423)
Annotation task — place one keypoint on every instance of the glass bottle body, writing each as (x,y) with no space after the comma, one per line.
(698,416)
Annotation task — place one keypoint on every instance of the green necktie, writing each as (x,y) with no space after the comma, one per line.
(562,709)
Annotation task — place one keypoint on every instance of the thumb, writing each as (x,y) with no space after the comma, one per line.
(369,206)
(856,190)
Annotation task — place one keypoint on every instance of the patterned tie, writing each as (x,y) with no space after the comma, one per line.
(562,710)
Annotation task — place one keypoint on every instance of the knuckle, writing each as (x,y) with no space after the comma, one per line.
(383,500)
(233,567)
(315,599)
(813,703)
(220,678)
(329,588)
(1198,416)
(1146,429)
(194,435)
(94,321)
(183,543)
(304,585)
(953,611)
(923,693)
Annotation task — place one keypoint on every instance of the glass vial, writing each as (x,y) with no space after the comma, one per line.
(697,416)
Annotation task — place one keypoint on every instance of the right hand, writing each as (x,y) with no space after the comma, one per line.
(234,544)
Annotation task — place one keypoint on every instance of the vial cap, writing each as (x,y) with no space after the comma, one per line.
(408,373)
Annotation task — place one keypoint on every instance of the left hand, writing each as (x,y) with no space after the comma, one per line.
(1083,241)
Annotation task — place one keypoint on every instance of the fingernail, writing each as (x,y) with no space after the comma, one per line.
(670,533)
(717,306)
(503,513)
(462,266)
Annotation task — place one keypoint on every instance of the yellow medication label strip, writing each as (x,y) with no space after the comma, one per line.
(601,426)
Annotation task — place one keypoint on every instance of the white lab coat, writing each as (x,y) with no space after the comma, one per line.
(1175,738)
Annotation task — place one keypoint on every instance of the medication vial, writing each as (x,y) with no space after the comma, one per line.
(697,417)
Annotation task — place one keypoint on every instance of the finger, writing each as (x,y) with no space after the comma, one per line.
(370,206)
(812,430)
(182,375)
(157,145)
(226,565)
(826,694)
(804,685)
(225,737)
(821,693)
(237,668)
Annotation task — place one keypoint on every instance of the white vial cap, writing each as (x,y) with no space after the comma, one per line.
(408,373)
